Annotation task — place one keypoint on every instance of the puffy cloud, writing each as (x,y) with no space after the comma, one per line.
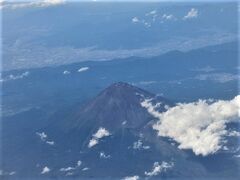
(82,69)
(193,13)
(218,77)
(31,4)
(158,168)
(135,20)
(102,132)
(45,170)
(131,178)
(200,126)
(92,143)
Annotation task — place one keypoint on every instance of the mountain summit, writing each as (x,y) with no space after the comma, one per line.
(116,107)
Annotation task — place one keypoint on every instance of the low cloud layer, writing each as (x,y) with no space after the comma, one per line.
(200,126)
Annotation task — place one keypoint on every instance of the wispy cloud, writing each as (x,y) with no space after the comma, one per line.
(218,77)
(193,13)
(82,69)
(200,126)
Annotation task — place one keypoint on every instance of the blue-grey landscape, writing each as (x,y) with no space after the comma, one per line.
(124,90)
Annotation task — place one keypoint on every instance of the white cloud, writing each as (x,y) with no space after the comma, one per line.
(79,163)
(135,20)
(147,82)
(50,142)
(200,126)
(82,69)
(42,135)
(85,169)
(69,174)
(124,123)
(45,170)
(153,12)
(102,132)
(218,77)
(92,143)
(139,145)
(158,168)
(15,77)
(67,169)
(104,156)
(66,72)
(131,178)
(31,4)
(193,13)
(205,69)
(6,173)
(12,173)
(234,133)
(168,17)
